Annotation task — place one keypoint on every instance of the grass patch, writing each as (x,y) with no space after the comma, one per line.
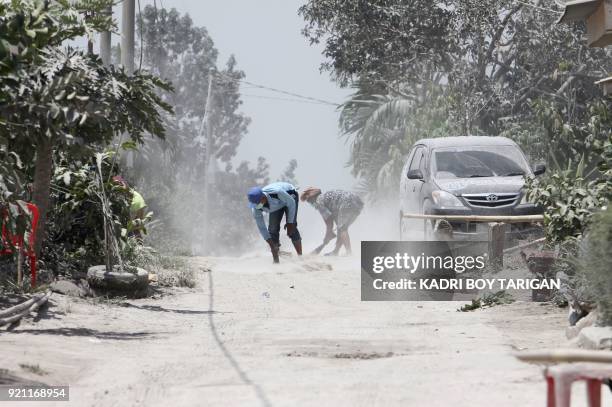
(488,300)
(182,276)
(34,369)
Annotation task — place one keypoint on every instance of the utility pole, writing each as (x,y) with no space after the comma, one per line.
(207,157)
(127,49)
(105,41)
(127,35)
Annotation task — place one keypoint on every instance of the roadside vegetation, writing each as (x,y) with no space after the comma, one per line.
(70,126)
(488,300)
(493,68)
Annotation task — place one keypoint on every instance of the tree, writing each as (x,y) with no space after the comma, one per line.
(289,174)
(63,98)
(382,128)
(493,68)
(379,40)
(26,28)
(184,54)
(173,173)
(229,223)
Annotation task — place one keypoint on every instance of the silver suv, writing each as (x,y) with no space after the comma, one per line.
(465,176)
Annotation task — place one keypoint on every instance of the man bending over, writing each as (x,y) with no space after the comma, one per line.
(278,199)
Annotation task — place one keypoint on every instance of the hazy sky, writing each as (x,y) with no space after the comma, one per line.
(264,36)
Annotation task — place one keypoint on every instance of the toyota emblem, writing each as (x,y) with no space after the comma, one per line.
(492,198)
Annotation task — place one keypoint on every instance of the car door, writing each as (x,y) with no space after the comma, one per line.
(414,186)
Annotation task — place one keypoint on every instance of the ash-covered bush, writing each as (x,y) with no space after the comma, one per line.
(595,266)
(569,200)
(75,222)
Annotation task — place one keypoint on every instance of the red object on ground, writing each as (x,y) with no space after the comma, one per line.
(17,241)
(560,378)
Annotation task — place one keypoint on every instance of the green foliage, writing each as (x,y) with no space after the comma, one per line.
(383,128)
(449,67)
(557,138)
(596,263)
(73,99)
(569,196)
(52,96)
(62,94)
(488,300)
(14,215)
(76,222)
(604,148)
(29,26)
(379,39)
(569,201)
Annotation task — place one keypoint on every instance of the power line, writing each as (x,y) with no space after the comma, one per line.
(283,99)
(284,92)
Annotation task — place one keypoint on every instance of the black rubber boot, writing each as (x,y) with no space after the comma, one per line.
(298,246)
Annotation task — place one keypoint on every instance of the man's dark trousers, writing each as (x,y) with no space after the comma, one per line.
(274,221)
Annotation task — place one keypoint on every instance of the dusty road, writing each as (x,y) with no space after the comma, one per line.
(296,334)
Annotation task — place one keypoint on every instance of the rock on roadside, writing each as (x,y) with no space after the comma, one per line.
(69,288)
(573,331)
(596,338)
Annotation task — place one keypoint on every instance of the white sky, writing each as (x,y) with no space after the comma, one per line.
(264,36)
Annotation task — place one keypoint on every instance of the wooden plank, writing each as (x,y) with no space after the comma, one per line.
(565,356)
(480,218)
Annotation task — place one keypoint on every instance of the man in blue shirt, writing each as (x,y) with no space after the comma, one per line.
(278,199)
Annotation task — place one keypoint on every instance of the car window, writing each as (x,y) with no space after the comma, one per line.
(484,161)
(416,159)
(423,161)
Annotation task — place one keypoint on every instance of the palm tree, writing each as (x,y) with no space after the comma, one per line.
(382,124)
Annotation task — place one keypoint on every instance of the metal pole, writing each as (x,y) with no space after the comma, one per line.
(105,41)
(128,22)
(127,35)
(207,156)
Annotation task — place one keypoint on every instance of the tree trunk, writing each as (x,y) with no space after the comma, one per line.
(41,189)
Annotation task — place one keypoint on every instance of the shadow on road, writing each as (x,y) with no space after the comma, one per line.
(8,378)
(157,308)
(123,336)
(241,373)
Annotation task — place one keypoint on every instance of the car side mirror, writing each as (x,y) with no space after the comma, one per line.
(415,174)
(539,169)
